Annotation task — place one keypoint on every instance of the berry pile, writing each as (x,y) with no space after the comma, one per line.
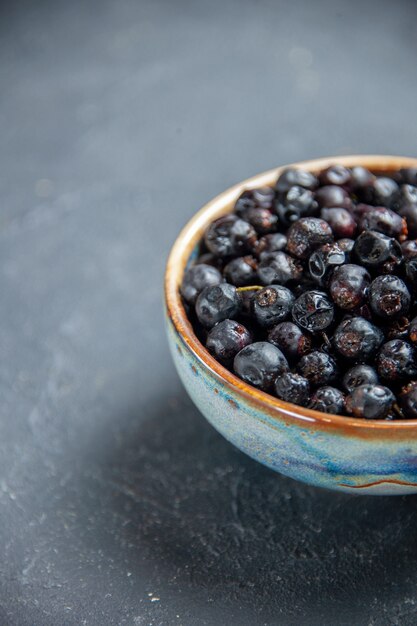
(308,291)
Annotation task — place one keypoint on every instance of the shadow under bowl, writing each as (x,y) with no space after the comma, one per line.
(331,451)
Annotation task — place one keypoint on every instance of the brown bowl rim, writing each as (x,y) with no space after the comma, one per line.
(179,255)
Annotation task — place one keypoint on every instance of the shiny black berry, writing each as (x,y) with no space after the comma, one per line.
(196,278)
(356,338)
(359,375)
(410,268)
(279,267)
(297,202)
(335,175)
(389,296)
(260,198)
(294,176)
(396,360)
(259,364)
(385,191)
(341,221)
(384,221)
(272,305)
(293,388)
(370,402)
(407,400)
(217,303)
(373,250)
(241,271)
(274,242)
(332,196)
(324,260)
(318,367)
(348,286)
(230,235)
(313,311)
(264,221)
(409,248)
(306,235)
(409,213)
(361,180)
(328,400)
(226,339)
(289,338)
(407,175)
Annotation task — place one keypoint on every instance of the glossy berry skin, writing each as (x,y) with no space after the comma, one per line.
(324,260)
(370,401)
(306,235)
(313,311)
(361,179)
(318,367)
(407,400)
(294,176)
(293,388)
(409,213)
(373,250)
(272,305)
(262,220)
(241,271)
(359,375)
(409,249)
(356,338)
(328,400)
(230,235)
(410,268)
(341,221)
(396,360)
(408,195)
(260,198)
(348,286)
(385,191)
(332,196)
(384,221)
(397,328)
(259,364)
(289,338)
(279,267)
(274,242)
(217,303)
(346,245)
(196,278)
(226,339)
(389,297)
(297,202)
(335,175)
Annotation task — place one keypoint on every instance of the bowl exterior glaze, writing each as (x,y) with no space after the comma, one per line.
(355,456)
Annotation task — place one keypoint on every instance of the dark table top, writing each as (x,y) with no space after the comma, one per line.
(119,504)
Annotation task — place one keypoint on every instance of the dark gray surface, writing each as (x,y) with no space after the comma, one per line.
(118,503)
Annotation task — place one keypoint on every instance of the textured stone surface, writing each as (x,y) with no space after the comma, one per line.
(118,503)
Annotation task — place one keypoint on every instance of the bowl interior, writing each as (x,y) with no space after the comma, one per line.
(185,250)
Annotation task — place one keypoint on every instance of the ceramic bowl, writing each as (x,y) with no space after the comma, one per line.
(342,453)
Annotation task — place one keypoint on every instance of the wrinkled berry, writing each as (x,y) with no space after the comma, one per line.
(260,198)
(370,401)
(226,339)
(359,375)
(335,175)
(274,242)
(289,338)
(410,267)
(318,367)
(293,388)
(356,338)
(409,249)
(313,311)
(389,296)
(217,303)
(328,400)
(279,267)
(348,286)
(306,235)
(230,235)
(297,202)
(384,221)
(241,271)
(259,364)
(341,221)
(396,360)
(324,260)
(373,249)
(272,305)
(196,278)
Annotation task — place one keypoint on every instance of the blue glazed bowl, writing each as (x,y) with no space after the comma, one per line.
(346,454)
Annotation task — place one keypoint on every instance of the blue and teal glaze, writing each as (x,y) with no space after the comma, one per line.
(345,454)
